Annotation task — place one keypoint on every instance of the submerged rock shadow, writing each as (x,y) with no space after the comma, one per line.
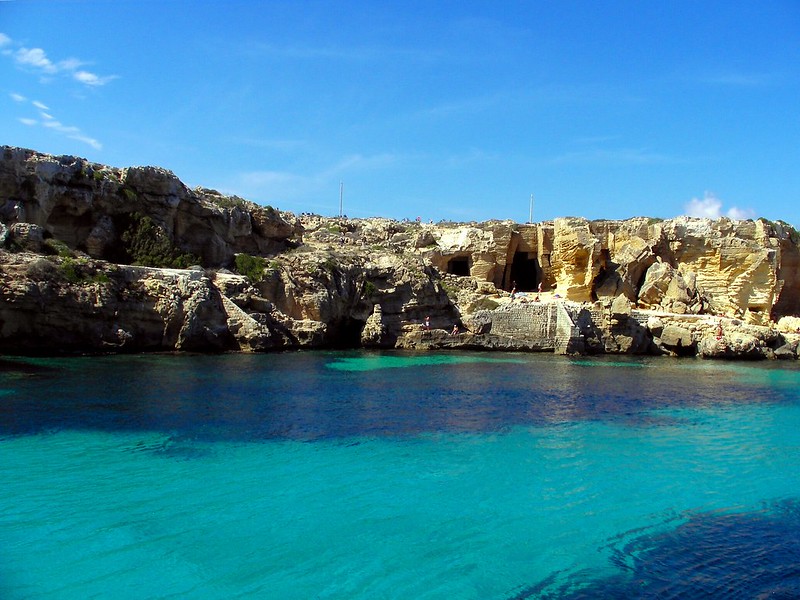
(720,554)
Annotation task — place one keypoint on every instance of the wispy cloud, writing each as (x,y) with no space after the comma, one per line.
(48,121)
(710,207)
(616,156)
(35,60)
(91,79)
(289,188)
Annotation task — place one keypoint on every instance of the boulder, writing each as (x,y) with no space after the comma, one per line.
(677,340)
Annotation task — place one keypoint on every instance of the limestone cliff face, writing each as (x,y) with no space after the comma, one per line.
(68,231)
(53,306)
(88,207)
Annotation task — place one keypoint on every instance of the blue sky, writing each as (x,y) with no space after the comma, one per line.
(444,110)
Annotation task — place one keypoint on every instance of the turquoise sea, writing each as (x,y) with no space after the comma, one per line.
(385,475)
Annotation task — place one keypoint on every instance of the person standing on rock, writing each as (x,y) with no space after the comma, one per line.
(427,324)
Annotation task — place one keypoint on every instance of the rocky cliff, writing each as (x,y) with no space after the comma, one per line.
(98,258)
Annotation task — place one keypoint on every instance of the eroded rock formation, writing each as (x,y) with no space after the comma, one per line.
(70,231)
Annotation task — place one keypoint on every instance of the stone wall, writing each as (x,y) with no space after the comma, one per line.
(546,325)
(535,322)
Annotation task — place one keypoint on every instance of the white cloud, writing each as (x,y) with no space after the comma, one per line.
(50,122)
(69,130)
(70,64)
(87,140)
(740,214)
(88,78)
(35,57)
(710,207)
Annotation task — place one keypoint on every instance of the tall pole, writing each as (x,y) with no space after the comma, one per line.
(530,214)
(341,194)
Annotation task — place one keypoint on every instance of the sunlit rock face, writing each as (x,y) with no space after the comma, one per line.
(339,282)
(89,206)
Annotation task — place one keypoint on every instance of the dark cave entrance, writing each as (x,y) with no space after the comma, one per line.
(458,266)
(525,272)
(345,334)
(607,269)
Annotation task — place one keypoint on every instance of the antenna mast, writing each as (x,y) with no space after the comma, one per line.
(341,194)
(530,214)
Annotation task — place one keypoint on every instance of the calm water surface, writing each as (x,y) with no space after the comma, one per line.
(387,475)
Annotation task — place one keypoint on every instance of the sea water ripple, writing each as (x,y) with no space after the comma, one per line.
(390,475)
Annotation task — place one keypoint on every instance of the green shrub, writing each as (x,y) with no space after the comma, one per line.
(129,194)
(54,246)
(251,267)
(148,244)
(370,289)
(80,272)
(229,201)
(486,304)
(69,270)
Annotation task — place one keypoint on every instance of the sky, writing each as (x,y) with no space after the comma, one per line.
(459,111)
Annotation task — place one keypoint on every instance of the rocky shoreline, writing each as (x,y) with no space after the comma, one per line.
(100,259)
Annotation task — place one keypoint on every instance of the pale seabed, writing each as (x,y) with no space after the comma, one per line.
(390,475)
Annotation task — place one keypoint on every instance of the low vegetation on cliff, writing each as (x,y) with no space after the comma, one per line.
(84,248)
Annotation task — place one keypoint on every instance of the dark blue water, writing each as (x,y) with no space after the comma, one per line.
(386,475)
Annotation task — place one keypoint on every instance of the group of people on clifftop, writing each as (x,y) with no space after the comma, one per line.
(524,297)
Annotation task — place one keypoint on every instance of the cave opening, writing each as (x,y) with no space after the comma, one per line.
(345,333)
(458,266)
(525,272)
(606,270)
